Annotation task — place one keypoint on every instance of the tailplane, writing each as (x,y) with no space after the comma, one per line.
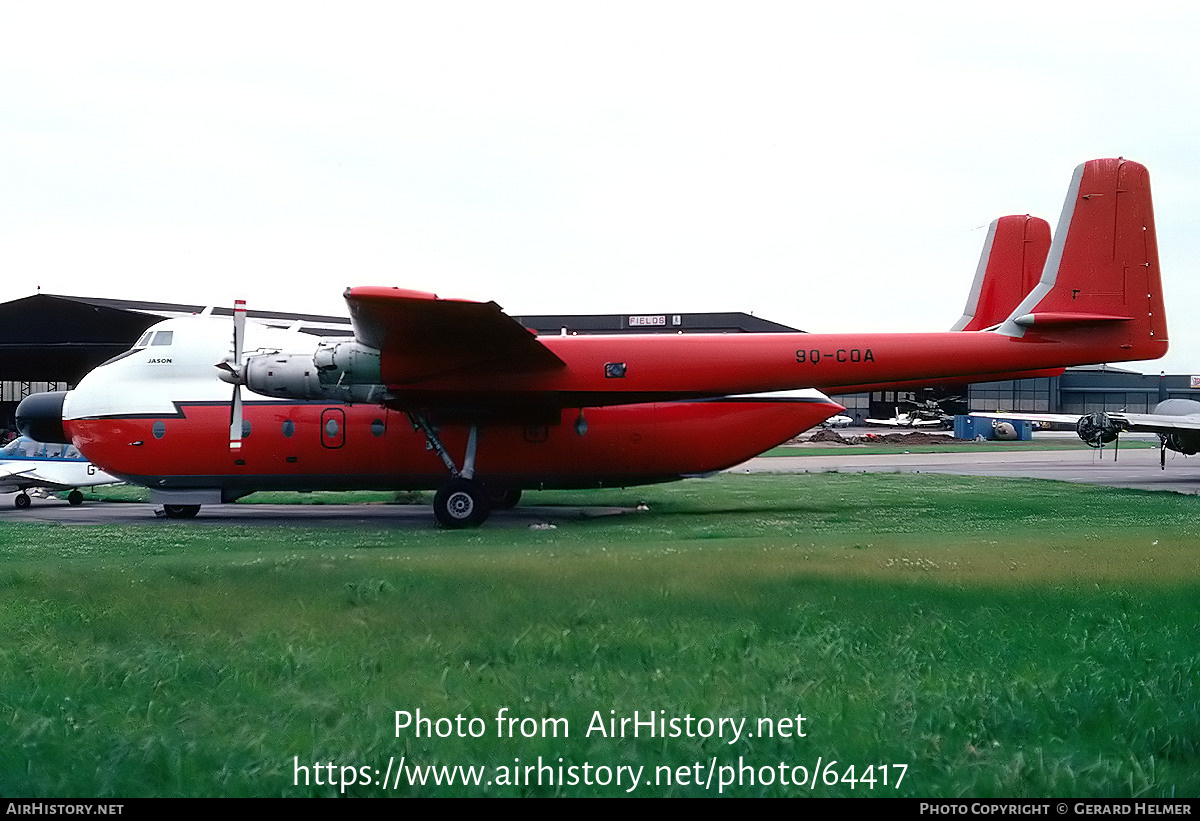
(1101,284)
(1011,264)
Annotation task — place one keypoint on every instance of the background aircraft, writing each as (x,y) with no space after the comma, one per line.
(26,464)
(1176,421)
(456,395)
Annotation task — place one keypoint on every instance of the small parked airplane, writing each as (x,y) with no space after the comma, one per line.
(26,464)
(427,379)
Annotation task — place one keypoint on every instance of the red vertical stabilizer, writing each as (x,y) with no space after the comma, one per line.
(1010,266)
(1101,283)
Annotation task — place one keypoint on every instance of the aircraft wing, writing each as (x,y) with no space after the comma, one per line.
(1156,422)
(27,478)
(12,471)
(1141,422)
(420,336)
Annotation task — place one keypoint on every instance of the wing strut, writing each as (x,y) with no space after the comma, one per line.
(462,501)
(435,443)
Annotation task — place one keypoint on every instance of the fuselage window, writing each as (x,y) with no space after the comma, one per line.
(289,428)
(245,428)
(162,338)
(331,428)
(378,428)
(159,429)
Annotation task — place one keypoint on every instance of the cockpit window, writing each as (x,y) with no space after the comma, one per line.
(162,338)
(22,448)
(145,340)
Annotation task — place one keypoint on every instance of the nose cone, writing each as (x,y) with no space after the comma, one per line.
(39,416)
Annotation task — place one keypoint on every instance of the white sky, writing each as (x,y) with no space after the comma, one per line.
(833,169)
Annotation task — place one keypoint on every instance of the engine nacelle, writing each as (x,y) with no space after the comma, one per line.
(339,371)
(1187,444)
(346,362)
(1097,429)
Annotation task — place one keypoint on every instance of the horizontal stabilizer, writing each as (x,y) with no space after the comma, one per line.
(1046,318)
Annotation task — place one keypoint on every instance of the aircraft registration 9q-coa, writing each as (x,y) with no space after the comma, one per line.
(455,395)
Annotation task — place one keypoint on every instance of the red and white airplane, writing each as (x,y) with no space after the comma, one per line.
(456,395)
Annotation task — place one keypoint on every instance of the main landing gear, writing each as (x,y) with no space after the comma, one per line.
(22,500)
(463,501)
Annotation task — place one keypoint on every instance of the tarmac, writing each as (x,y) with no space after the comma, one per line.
(1133,468)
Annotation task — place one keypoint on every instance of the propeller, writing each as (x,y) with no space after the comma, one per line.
(1097,429)
(233,373)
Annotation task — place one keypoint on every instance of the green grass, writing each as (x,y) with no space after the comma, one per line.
(1016,638)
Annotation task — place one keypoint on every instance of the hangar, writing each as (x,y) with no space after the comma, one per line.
(48,342)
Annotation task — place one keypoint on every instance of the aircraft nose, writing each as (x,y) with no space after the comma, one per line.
(39,416)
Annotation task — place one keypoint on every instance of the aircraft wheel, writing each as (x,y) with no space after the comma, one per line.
(22,501)
(180,511)
(504,498)
(460,503)
(75,498)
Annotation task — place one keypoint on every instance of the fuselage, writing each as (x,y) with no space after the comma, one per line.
(159,416)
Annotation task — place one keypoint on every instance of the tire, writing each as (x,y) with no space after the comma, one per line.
(22,501)
(460,503)
(503,498)
(75,498)
(180,511)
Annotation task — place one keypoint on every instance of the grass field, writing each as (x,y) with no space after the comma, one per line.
(965,636)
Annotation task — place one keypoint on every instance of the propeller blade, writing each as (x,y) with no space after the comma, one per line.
(235,419)
(235,405)
(239,330)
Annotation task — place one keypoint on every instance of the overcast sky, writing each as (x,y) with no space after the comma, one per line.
(832,169)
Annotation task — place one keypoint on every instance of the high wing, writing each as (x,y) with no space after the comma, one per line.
(443,337)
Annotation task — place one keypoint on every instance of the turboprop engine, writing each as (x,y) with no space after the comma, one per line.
(339,370)
(1097,429)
